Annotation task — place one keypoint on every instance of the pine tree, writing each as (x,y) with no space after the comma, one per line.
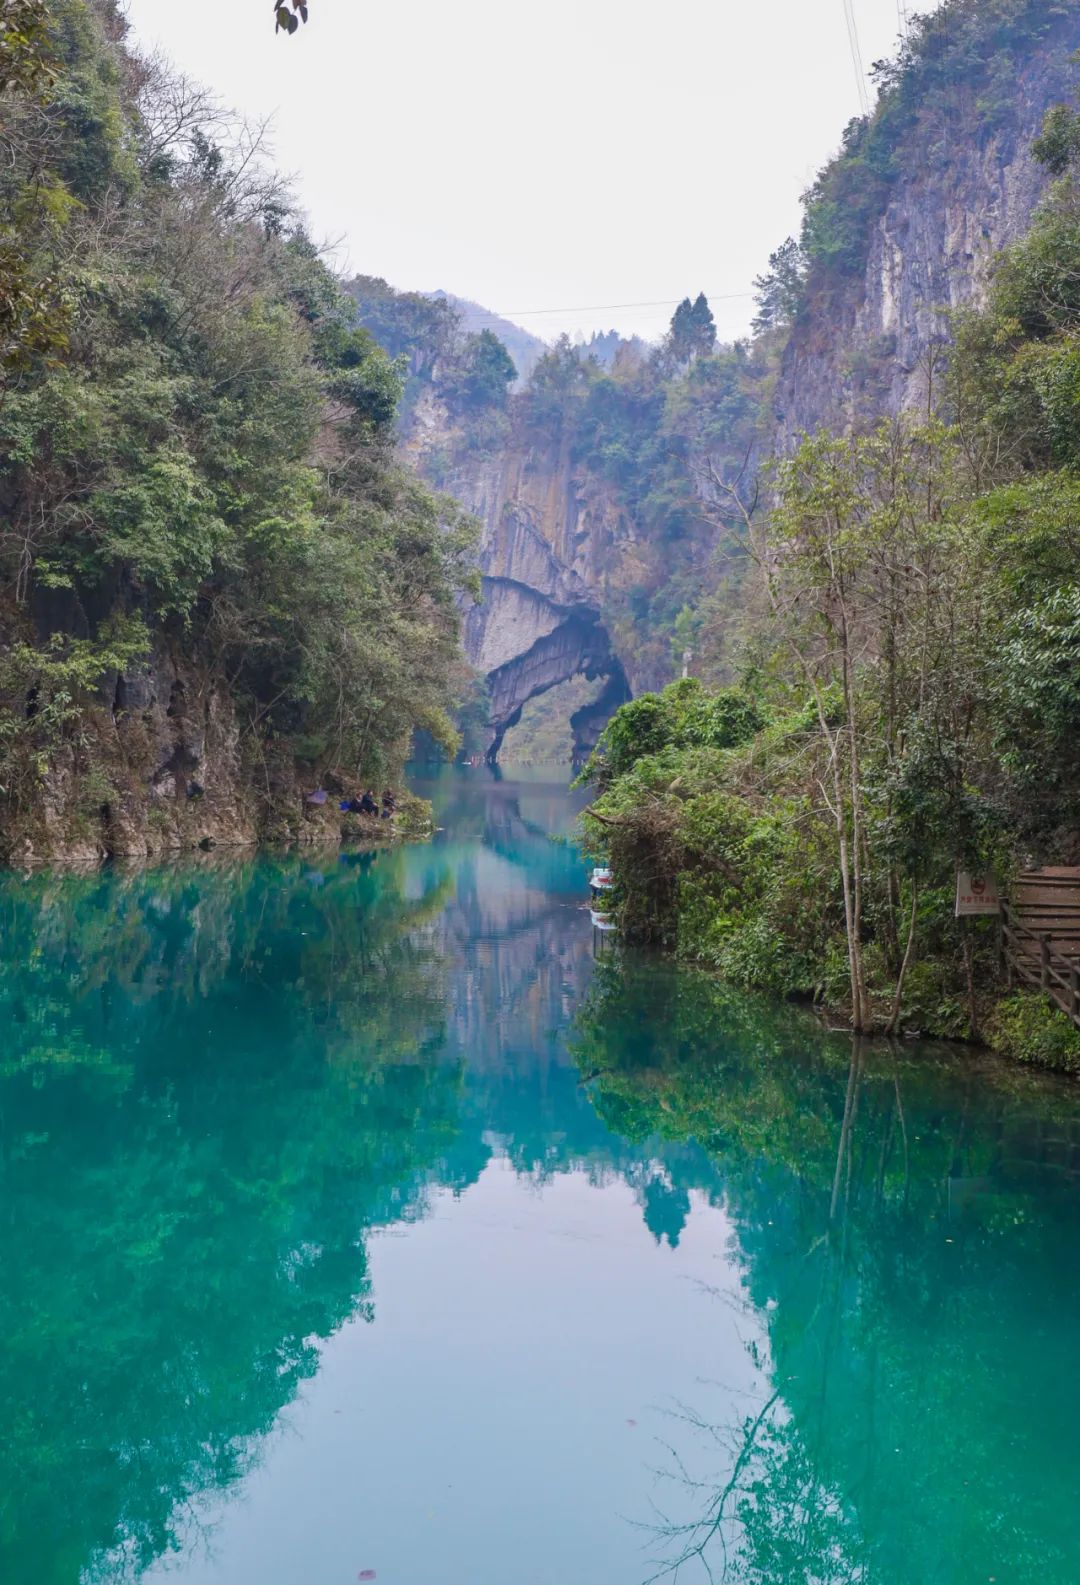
(703,325)
(693,329)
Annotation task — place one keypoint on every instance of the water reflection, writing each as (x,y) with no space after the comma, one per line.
(231,1090)
(907,1230)
(211,1082)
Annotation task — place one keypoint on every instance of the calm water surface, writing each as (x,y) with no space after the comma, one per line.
(361,1218)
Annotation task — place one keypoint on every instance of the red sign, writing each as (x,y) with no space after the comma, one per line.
(976,894)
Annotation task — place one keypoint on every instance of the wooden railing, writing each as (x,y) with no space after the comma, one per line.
(1040,932)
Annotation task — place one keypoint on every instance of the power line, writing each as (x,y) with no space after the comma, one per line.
(604,308)
(856,55)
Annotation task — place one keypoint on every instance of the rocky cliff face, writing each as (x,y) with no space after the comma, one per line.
(965,189)
(164,768)
(942,178)
(548,543)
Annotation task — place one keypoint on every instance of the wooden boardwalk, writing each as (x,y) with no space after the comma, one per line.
(1041,934)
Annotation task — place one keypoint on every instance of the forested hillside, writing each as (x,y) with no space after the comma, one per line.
(906,696)
(217,584)
(603,553)
(597,556)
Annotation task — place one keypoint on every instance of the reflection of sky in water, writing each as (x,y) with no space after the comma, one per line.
(500,1417)
(357,1217)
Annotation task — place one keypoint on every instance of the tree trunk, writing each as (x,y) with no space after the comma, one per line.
(859,1008)
(969,974)
(898,996)
(851,1107)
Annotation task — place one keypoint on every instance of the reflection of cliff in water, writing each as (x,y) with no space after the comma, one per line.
(516,931)
(515,927)
(216,1079)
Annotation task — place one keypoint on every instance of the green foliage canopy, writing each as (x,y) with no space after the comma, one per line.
(203,450)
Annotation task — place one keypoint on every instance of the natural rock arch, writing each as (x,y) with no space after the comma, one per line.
(545,554)
(572,642)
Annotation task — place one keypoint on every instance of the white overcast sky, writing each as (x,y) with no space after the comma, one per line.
(564,155)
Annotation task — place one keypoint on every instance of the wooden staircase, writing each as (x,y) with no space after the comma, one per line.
(1040,931)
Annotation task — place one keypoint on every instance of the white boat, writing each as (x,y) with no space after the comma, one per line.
(601,880)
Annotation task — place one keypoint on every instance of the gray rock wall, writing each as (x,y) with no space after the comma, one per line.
(964,193)
(544,553)
(865,347)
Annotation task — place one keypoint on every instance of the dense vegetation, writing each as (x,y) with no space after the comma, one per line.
(639,429)
(908,691)
(470,374)
(196,471)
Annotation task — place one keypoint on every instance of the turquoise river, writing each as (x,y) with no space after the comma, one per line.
(365,1218)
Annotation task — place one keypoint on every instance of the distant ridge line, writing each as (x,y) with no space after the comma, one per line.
(603,308)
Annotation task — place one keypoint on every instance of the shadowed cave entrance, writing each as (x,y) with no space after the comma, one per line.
(578,647)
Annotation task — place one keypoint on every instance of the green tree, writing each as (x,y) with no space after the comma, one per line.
(779,292)
(207,456)
(481,375)
(693,330)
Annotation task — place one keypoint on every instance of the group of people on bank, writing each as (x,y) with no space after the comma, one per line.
(366,804)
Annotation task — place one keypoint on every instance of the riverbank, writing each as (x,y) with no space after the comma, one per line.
(733,852)
(170,782)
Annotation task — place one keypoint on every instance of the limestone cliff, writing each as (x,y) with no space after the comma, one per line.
(593,551)
(964,184)
(549,540)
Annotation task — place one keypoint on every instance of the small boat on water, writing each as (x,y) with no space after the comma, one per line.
(600,881)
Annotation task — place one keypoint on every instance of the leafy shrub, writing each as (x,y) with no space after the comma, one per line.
(684,715)
(1030,1027)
